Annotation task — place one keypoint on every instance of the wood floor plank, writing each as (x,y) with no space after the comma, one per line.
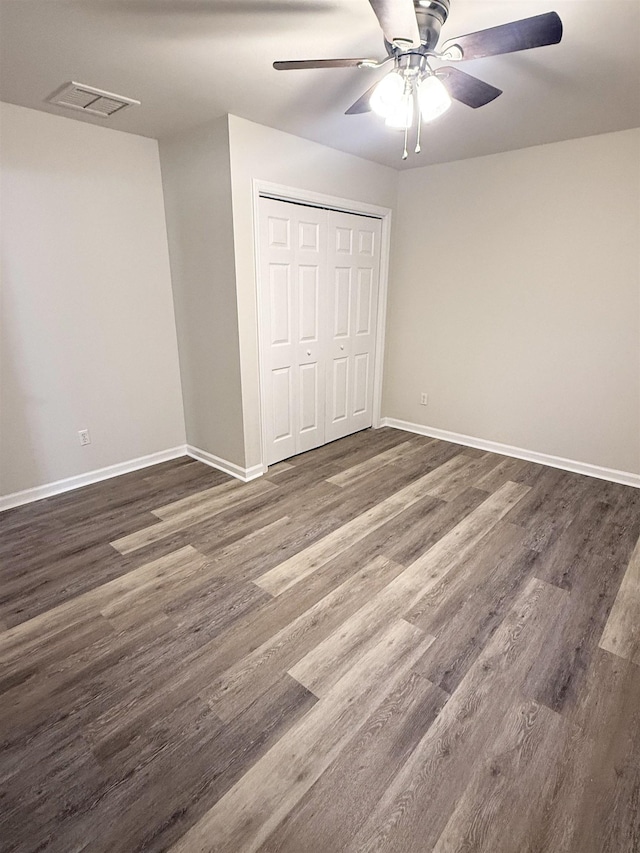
(471,573)
(598,529)
(199,668)
(594,801)
(352,449)
(373,464)
(292,571)
(438,769)
(621,635)
(173,771)
(220,495)
(334,458)
(220,756)
(28,635)
(427,522)
(245,817)
(462,626)
(322,666)
(469,604)
(41,588)
(429,455)
(108,679)
(350,501)
(506,468)
(556,680)
(491,816)
(588,559)
(552,503)
(350,787)
(453,486)
(49,664)
(187,517)
(240,685)
(72,773)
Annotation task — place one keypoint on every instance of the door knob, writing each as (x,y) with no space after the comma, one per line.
(341,346)
(308,352)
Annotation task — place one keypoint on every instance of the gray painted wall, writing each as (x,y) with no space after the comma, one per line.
(88,336)
(197,191)
(515,299)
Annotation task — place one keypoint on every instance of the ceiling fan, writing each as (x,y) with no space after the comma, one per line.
(411,31)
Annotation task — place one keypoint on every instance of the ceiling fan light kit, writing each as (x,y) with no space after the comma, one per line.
(413,88)
(387,93)
(400,114)
(433,98)
(410,89)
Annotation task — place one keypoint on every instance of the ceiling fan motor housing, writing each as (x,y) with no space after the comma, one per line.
(431,15)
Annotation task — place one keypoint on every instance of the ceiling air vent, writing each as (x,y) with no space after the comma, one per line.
(77,96)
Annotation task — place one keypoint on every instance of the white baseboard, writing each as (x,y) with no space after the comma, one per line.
(69,483)
(623,477)
(244,474)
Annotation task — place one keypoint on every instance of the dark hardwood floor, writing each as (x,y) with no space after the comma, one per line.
(389,643)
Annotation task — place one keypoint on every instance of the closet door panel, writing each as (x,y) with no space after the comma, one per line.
(361,384)
(339,408)
(364,302)
(354,258)
(342,302)
(281,411)
(292,281)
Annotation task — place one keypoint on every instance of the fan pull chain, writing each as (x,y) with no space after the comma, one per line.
(405,153)
(416,109)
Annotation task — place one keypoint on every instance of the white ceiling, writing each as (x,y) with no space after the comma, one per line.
(189,61)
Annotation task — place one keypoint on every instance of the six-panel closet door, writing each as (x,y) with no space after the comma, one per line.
(319,273)
(293,252)
(353,272)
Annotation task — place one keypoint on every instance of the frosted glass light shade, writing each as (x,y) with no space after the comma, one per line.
(401,116)
(387,94)
(433,98)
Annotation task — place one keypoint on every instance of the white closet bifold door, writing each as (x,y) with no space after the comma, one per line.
(319,276)
(354,272)
(293,279)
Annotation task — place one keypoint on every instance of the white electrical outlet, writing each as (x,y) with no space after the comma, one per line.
(424,399)
(85,438)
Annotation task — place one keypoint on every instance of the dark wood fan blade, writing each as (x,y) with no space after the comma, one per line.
(467,89)
(397,18)
(509,38)
(320,63)
(362,104)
